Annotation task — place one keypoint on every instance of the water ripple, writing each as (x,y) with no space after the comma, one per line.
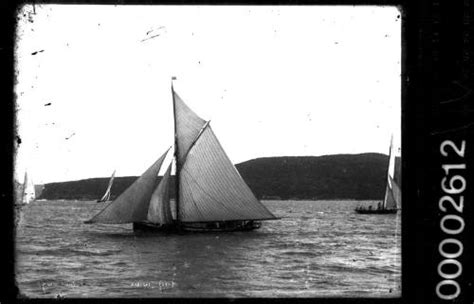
(319,249)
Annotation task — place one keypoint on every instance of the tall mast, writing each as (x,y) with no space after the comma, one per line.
(175,153)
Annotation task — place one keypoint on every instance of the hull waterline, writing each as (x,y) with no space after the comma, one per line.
(376,211)
(231,226)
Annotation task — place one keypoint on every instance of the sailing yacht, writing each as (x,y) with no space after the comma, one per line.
(106,196)
(28,194)
(210,193)
(393,199)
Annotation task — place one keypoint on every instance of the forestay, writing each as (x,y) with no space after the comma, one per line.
(211,188)
(159,211)
(132,204)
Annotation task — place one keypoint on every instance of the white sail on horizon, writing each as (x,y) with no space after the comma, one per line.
(29,193)
(107,193)
(392,199)
(391,159)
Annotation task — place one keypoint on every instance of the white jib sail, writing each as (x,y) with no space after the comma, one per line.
(159,211)
(132,205)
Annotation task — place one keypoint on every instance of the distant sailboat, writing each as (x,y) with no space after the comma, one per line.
(106,196)
(28,194)
(210,193)
(393,199)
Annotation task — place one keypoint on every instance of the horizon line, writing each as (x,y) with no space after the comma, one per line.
(264,157)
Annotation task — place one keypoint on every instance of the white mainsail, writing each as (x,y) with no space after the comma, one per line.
(159,211)
(29,194)
(392,199)
(210,187)
(132,205)
(107,193)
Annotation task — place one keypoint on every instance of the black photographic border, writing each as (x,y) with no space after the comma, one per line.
(437,105)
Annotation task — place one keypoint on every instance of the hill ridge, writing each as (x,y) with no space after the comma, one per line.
(338,176)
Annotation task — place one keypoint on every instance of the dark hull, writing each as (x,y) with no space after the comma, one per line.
(196,227)
(376,211)
(145,227)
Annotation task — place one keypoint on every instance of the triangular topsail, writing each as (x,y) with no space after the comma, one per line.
(211,188)
(188,125)
(132,205)
(107,193)
(159,211)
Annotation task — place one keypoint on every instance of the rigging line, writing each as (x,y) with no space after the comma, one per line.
(238,173)
(232,189)
(176,153)
(100,212)
(212,198)
(194,142)
(192,199)
(93,219)
(165,206)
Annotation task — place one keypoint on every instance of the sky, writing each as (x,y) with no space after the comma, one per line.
(93,83)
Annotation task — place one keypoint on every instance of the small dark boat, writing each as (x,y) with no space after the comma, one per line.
(362,210)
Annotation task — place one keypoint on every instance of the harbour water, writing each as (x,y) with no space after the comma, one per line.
(317,249)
